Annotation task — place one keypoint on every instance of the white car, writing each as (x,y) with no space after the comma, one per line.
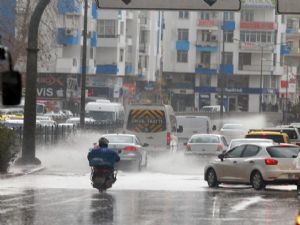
(233,130)
(76,120)
(240,141)
(206,144)
(255,164)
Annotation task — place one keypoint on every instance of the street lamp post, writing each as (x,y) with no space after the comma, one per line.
(222,74)
(261,78)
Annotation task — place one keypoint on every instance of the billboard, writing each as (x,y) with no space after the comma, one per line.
(51,86)
(218,5)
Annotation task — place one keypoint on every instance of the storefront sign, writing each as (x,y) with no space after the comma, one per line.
(51,86)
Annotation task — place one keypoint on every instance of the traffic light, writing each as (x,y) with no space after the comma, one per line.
(126,1)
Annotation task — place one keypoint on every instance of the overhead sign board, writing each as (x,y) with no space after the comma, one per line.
(217,5)
(288,6)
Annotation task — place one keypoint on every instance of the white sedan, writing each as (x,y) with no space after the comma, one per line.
(255,164)
(206,144)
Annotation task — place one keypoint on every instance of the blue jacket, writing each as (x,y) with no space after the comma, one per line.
(103,157)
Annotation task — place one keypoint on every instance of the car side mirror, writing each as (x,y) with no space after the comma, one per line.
(11,82)
(221,157)
(145,145)
(180,129)
(214,127)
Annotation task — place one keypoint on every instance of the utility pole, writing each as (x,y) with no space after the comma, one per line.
(286,95)
(261,78)
(222,74)
(28,141)
(83,74)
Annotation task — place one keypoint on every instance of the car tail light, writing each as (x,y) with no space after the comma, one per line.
(130,149)
(188,147)
(168,138)
(219,147)
(298,219)
(298,143)
(271,162)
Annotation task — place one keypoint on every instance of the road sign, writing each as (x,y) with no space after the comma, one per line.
(288,6)
(218,5)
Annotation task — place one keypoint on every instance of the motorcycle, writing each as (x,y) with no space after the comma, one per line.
(103,178)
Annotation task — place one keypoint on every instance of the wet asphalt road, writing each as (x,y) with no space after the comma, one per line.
(44,199)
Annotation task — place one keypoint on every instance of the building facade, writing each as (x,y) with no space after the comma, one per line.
(252,66)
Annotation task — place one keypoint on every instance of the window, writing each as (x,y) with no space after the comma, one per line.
(205,59)
(204,15)
(247,15)
(205,80)
(183,34)
(250,150)
(257,36)
(244,59)
(106,28)
(121,54)
(183,14)
(228,57)
(235,152)
(182,56)
(228,36)
(228,16)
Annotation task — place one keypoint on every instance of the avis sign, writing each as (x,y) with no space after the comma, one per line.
(218,5)
(51,86)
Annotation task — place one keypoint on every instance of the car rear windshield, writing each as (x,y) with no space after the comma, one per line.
(275,138)
(146,121)
(205,139)
(291,133)
(119,139)
(283,152)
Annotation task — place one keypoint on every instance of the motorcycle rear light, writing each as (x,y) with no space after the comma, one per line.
(168,138)
(130,149)
(219,147)
(298,219)
(188,147)
(271,162)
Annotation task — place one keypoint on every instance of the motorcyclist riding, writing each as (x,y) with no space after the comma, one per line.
(101,157)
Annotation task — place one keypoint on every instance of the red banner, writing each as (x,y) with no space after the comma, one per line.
(258,25)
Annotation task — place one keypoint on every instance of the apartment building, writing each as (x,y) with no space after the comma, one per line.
(253,57)
(123,47)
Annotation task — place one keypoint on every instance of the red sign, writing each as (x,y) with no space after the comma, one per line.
(258,25)
(284,84)
(131,88)
(207,23)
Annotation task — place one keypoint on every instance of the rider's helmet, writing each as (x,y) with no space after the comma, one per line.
(103,142)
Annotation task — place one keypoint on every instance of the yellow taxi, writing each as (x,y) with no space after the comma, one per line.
(277,137)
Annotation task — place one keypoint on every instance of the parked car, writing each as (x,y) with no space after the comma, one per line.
(240,141)
(212,109)
(206,144)
(76,120)
(255,164)
(130,149)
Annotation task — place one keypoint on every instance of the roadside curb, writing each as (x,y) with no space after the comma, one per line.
(20,171)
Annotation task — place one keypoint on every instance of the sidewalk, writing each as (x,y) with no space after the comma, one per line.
(15,171)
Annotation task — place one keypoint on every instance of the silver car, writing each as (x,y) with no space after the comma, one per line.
(255,164)
(130,149)
(206,144)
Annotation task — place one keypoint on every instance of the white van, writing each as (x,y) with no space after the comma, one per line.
(103,111)
(189,125)
(152,124)
(212,108)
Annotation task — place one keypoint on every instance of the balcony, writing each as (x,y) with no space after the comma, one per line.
(200,69)
(67,65)
(256,68)
(206,48)
(208,24)
(68,7)
(93,39)
(108,41)
(94,10)
(107,69)
(256,46)
(284,50)
(67,36)
(258,26)
(227,69)
(129,15)
(229,25)
(182,45)
(128,68)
